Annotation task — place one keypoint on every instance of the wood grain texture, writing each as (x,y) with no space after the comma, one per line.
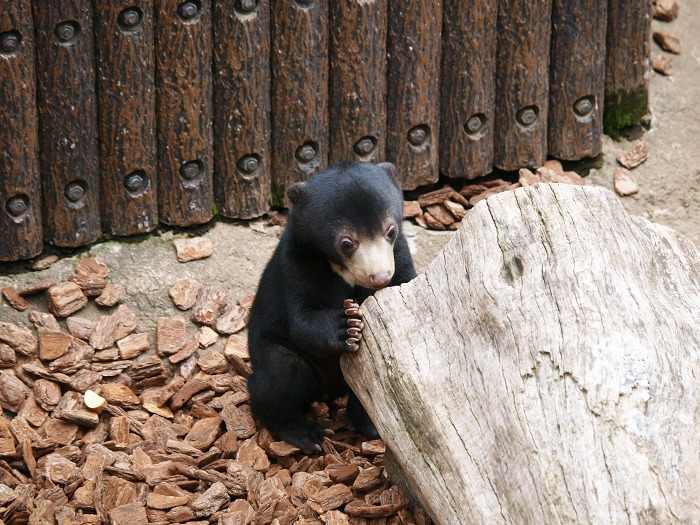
(468,87)
(68,121)
(577,78)
(358,80)
(242,155)
(544,368)
(184,101)
(300,76)
(627,63)
(413,102)
(20,186)
(125,51)
(522,81)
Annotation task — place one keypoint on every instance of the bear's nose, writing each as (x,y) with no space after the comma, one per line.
(380,279)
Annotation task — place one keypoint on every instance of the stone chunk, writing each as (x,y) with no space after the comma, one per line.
(111,328)
(193,249)
(184,293)
(66,298)
(111,295)
(625,183)
(634,156)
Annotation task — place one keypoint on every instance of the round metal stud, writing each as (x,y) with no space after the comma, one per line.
(584,106)
(66,32)
(17,205)
(418,135)
(135,182)
(246,6)
(474,124)
(75,191)
(306,152)
(187,10)
(190,170)
(527,116)
(248,164)
(130,17)
(364,146)
(9,41)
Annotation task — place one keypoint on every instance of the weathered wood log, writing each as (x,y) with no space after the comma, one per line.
(544,368)
(184,101)
(467,88)
(626,64)
(125,52)
(20,196)
(522,83)
(413,55)
(577,87)
(300,74)
(242,108)
(358,80)
(68,117)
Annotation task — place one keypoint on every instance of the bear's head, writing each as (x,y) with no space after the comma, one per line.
(351,215)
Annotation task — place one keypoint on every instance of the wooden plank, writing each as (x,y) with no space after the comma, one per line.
(68,121)
(468,88)
(242,107)
(20,197)
(626,64)
(577,78)
(522,81)
(358,80)
(300,75)
(184,101)
(125,48)
(413,48)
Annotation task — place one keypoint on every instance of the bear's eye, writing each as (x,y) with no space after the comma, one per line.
(391,233)
(347,244)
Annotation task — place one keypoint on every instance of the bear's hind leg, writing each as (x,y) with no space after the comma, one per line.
(281,387)
(360,419)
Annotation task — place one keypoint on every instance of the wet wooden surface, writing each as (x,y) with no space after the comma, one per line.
(125,52)
(242,152)
(184,100)
(68,116)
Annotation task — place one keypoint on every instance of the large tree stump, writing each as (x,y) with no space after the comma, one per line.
(545,367)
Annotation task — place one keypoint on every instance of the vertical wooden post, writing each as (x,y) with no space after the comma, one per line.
(627,64)
(184,100)
(299,92)
(522,82)
(242,107)
(125,52)
(20,187)
(468,87)
(413,48)
(577,78)
(68,121)
(358,80)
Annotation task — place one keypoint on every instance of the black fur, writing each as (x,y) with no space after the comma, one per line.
(298,325)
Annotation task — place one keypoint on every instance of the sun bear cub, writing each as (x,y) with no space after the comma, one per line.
(342,242)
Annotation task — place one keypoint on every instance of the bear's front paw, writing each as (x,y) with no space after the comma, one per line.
(353,325)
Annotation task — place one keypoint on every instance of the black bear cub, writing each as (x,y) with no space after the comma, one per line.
(342,242)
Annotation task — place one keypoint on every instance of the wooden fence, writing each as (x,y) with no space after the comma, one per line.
(116,115)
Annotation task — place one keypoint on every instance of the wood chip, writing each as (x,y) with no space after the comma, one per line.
(80,327)
(13,392)
(133,345)
(72,408)
(45,262)
(188,350)
(625,182)
(112,294)
(411,209)
(368,479)
(131,514)
(665,10)
(120,395)
(66,298)
(663,64)
(53,344)
(667,42)
(47,393)
(43,320)
(91,275)
(19,339)
(193,249)
(458,211)
(15,299)
(441,195)
(171,333)
(111,328)
(373,448)
(330,498)
(204,432)
(634,156)
(184,293)
(238,421)
(232,319)
(206,337)
(8,358)
(211,500)
(209,301)
(250,453)
(212,362)
(237,345)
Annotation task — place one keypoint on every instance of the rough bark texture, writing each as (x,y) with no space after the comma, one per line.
(522,82)
(627,64)
(468,88)
(20,198)
(242,108)
(544,368)
(68,116)
(184,99)
(358,80)
(413,56)
(300,75)
(577,78)
(124,47)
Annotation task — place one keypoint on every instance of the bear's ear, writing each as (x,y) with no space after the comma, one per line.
(296,192)
(391,170)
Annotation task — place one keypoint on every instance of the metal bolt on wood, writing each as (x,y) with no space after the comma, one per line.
(187,10)
(130,18)
(583,106)
(134,182)
(475,124)
(418,135)
(365,145)
(248,164)
(9,41)
(17,205)
(246,6)
(190,170)
(306,152)
(67,31)
(75,191)
(527,116)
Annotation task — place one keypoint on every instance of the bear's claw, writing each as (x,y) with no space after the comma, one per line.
(354,325)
